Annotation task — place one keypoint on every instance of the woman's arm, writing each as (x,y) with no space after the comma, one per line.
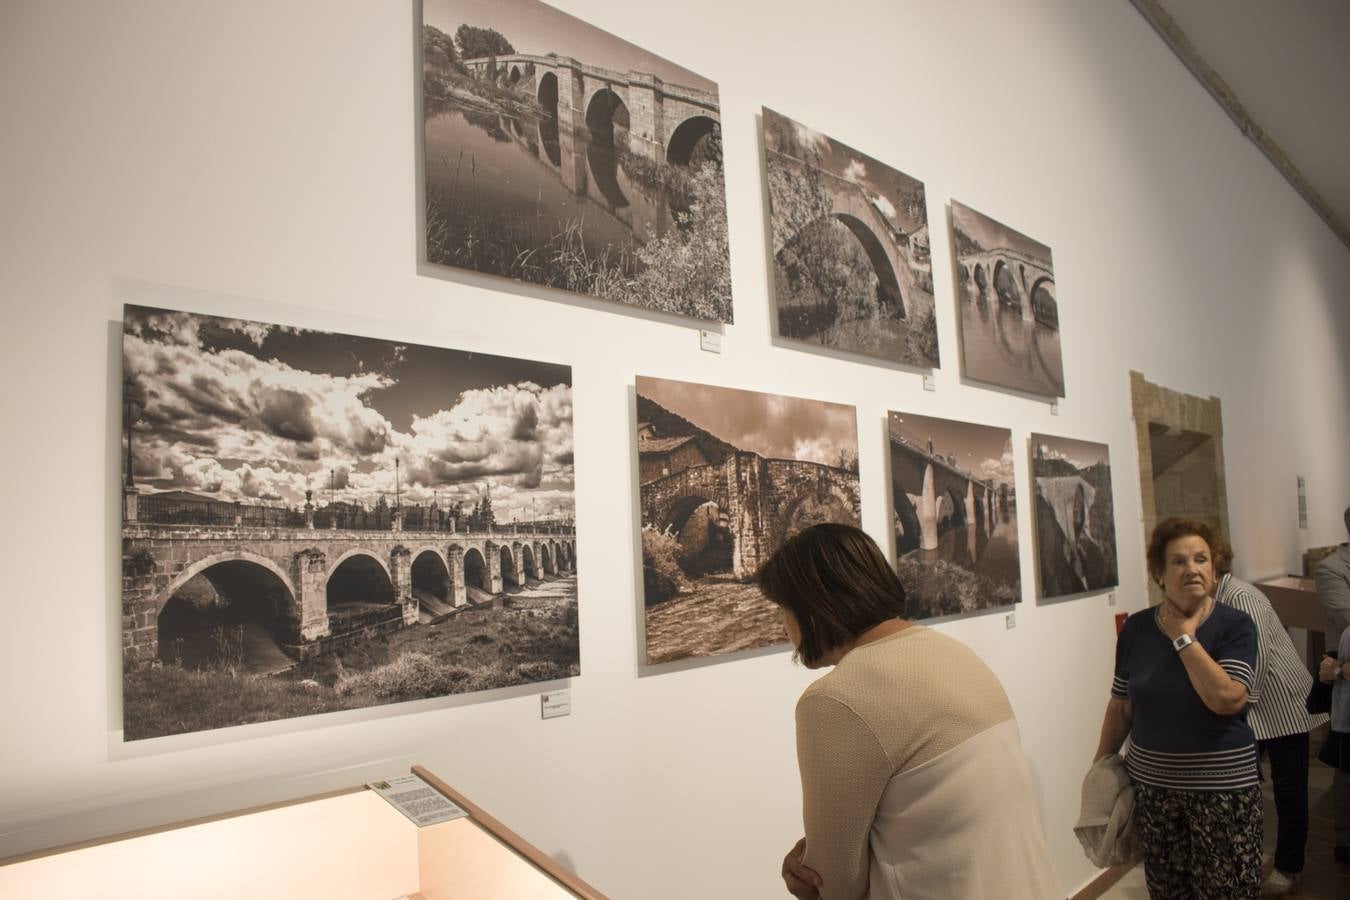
(1223,694)
(844,771)
(1115,727)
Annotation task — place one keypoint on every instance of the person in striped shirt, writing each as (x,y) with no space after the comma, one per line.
(1278,715)
(1183,673)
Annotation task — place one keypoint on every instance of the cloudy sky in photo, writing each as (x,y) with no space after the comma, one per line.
(244,411)
(768,424)
(1081,453)
(983,451)
(539,29)
(992,235)
(882,184)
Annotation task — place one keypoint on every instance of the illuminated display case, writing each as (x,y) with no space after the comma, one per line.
(346,844)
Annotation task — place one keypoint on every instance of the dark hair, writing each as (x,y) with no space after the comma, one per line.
(836,582)
(1169,530)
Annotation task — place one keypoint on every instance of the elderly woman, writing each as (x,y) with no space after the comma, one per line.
(1183,670)
(914,783)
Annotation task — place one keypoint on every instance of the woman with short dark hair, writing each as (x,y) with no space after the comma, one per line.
(914,782)
(1182,676)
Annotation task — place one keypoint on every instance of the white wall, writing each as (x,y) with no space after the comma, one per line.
(256,159)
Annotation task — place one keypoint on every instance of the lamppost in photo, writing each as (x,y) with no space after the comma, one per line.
(132,406)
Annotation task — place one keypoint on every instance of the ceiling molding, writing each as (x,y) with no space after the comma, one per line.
(1181,45)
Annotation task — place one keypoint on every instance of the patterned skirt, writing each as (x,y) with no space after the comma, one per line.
(1200,845)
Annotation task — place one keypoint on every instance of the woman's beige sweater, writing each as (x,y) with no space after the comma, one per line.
(914,783)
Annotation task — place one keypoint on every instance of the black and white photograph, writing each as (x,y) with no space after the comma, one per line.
(852,268)
(1075,516)
(561,155)
(725,476)
(1009,311)
(316,522)
(954,514)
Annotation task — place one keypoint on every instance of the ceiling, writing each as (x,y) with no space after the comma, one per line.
(1288,63)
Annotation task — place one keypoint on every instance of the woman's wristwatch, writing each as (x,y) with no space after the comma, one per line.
(1181,642)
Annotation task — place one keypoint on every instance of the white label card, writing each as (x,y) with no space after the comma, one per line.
(417,800)
(1011,621)
(555,704)
(1111,599)
(1054,407)
(928,383)
(710,341)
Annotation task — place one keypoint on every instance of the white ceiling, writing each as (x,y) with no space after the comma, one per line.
(1288,62)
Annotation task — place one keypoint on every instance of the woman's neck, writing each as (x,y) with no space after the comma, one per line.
(871,635)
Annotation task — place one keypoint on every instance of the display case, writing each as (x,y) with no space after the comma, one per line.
(345,844)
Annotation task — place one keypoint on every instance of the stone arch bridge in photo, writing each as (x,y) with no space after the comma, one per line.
(762,501)
(665,120)
(922,480)
(300,576)
(1019,280)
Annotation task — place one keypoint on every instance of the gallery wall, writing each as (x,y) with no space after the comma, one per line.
(258,160)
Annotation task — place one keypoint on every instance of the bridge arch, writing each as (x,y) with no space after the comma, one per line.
(431,573)
(1005,284)
(202,565)
(546,557)
(1043,303)
(530,563)
(606,112)
(358,577)
(514,76)
(888,282)
(981,279)
(508,561)
(908,529)
(548,94)
(684,138)
(476,570)
(240,592)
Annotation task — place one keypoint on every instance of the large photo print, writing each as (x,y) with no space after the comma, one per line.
(955,515)
(726,476)
(560,155)
(1075,515)
(316,522)
(1009,306)
(852,268)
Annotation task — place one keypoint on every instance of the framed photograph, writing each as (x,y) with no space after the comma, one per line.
(725,476)
(560,155)
(316,522)
(1075,516)
(955,515)
(1009,307)
(852,269)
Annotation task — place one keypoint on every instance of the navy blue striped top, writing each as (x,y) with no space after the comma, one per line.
(1175,740)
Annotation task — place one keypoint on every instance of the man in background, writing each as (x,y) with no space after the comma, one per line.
(1333,589)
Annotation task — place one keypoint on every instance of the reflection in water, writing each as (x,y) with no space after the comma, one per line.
(604,166)
(991,554)
(493,163)
(548,136)
(1003,348)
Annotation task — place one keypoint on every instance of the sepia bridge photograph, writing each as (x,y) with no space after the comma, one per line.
(314,522)
(561,155)
(954,507)
(725,476)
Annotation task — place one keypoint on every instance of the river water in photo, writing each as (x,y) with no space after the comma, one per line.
(992,554)
(1001,347)
(532,175)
